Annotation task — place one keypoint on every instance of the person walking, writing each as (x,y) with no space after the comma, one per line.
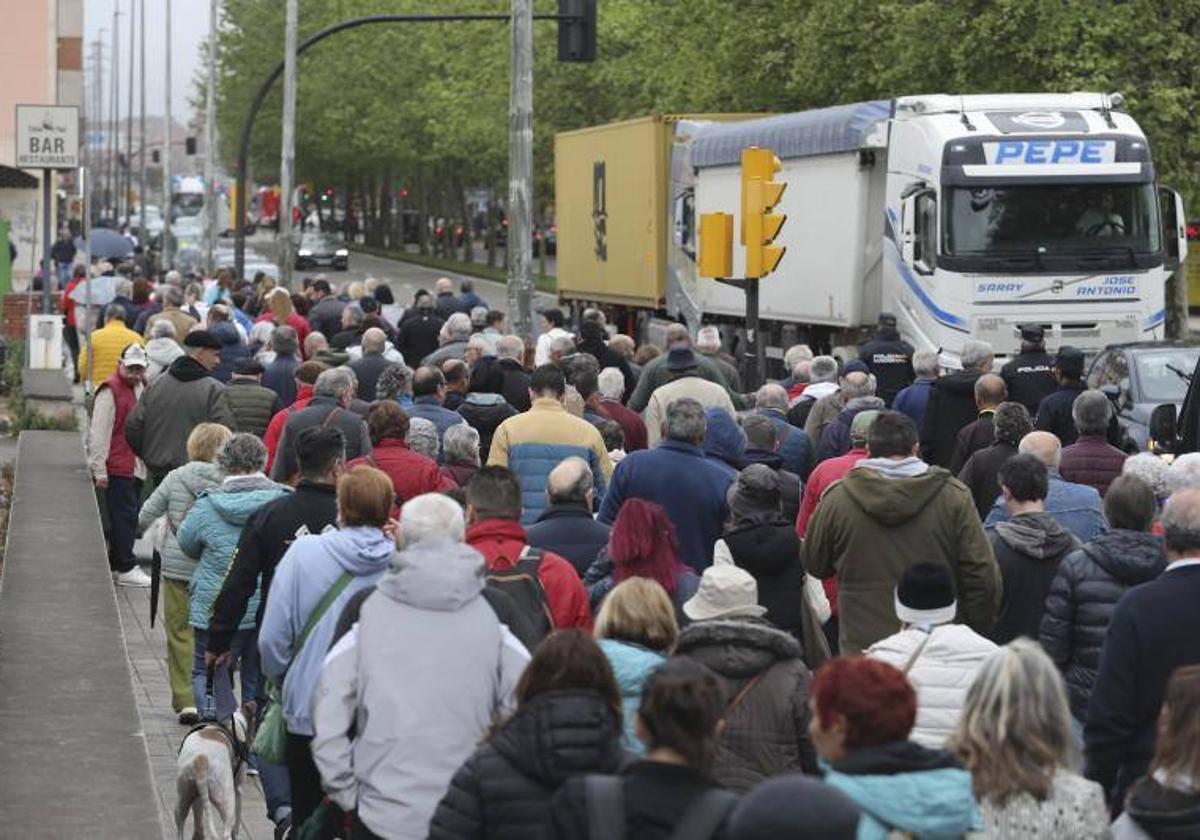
(793,446)
(485,407)
(1091,459)
(1091,581)
(411,474)
(427,711)
(567,724)
(371,363)
(952,403)
(1155,629)
(1014,737)
(533,443)
(172,303)
(566,527)
(913,399)
(611,383)
(685,381)
(1029,547)
(460,446)
(185,396)
(980,433)
(794,806)
(858,391)
(325,314)
(1029,376)
(981,472)
(862,715)
(313,581)
(210,535)
(637,631)
(279,374)
(329,407)
(108,345)
(115,469)
(676,475)
(419,329)
(656,371)
(162,349)
(762,672)
(252,405)
(890,511)
(429,389)
(940,658)
(1054,413)
(889,358)
(762,448)
(671,791)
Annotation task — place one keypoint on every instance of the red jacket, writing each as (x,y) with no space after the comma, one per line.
(631,424)
(1093,461)
(297,322)
(274,430)
(411,473)
(122,462)
(501,542)
(823,475)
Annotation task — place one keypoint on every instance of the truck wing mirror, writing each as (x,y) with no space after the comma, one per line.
(1174,228)
(1162,427)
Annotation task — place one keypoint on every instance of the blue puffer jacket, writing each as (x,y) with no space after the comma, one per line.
(632,665)
(904,787)
(210,534)
(794,446)
(836,439)
(724,441)
(232,349)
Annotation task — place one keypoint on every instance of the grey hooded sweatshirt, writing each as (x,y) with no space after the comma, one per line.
(432,664)
(1028,549)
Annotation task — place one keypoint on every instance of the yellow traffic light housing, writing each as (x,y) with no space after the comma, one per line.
(759,227)
(716,245)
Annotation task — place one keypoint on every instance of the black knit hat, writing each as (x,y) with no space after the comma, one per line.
(794,806)
(926,594)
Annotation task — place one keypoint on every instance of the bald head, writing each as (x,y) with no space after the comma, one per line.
(990,391)
(570,483)
(771,396)
(443,286)
(677,334)
(374,340)
(1044,446)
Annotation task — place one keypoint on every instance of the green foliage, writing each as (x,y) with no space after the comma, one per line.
(24,416)
(426,105)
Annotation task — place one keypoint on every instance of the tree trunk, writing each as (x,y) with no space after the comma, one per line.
(468,252)
(489,235)
(385,207)
(423,215)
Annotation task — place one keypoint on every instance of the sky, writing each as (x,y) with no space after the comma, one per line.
(189,28)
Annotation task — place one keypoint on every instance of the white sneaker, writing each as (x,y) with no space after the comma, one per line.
(134,577)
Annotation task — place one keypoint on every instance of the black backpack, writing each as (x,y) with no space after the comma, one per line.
(605,800)
(519,599)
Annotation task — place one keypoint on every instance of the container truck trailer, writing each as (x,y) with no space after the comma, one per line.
(965,216)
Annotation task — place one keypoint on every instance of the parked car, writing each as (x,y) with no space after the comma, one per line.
(1143,375)
(322,249)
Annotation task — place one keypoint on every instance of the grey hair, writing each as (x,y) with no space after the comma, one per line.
(392,382)
(460,443)
(563,345)
(162,328)
(114,311)
(858,384)
(458,326)
(925,363)
(823,369)
(172,296)
(430,516)
(510,347)
(423,437)
(976,355)
(560,493)
(801,371)
(1180,520)
(797,353)
(760,432)
(1184,473)
(1150,469)
(334,382)
(124,288)
(263,333)
(771,396)
(242,454)
(482,343)
(374,340)
(284,340)
(355,313)
(611,383)
(173,278)
(1091,411)
(685,420)
(1011,422)
(708,338)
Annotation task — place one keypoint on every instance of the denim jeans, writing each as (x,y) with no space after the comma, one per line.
(122,497)
(276,788)
(244,652)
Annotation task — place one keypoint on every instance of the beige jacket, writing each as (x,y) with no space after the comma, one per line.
(708,394)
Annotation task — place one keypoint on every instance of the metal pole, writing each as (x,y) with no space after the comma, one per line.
(520,172)
(210,142)
(142,133)
(128,181)
(47,241)
(756,351)
(87,284)
(288,153)
(115,115)
(167,146)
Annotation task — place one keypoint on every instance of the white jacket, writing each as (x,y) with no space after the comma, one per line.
(941,674)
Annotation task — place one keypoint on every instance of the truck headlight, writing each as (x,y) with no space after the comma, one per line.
(304,252)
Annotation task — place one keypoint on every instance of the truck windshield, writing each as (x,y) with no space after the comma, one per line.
(1052,221)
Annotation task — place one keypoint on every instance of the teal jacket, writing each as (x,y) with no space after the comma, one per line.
(905,787)
(210,534)
(632,665)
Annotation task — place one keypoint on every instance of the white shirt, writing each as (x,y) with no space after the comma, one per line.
(541,354)
(1183,563)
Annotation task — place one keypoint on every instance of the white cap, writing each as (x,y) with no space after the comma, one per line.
(726,591)
(134,356)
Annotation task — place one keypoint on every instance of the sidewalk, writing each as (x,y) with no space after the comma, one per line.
(147,648)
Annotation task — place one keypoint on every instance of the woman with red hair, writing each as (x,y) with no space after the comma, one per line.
(642,543)
(862,713)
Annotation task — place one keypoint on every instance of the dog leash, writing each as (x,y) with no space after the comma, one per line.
(209,712)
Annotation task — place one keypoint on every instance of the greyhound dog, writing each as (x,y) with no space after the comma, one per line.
(209,774)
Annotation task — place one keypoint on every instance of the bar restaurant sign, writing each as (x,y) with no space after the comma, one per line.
(47,137)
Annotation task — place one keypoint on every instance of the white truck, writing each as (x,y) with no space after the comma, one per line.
(965,216)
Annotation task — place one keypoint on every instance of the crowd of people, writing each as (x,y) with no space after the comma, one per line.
(580,587)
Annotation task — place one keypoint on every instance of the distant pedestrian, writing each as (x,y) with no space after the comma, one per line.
(458,382)
(889,358)
(708,343)
(952,404)
(417,336)
(566,527)
(858,394)
(1030,374)
(468,299)
(913,399)
(685,381)
(656,370)
(329,407)
(325,315)
(306,376)
(172,301)
(485,407)
(762,448)
(1092,460)
(830,404)
(1014,737)
(981,472)
(108,343)
(1054,411)
(551,326)
(510,351)
(793,446)
(252,405)
(429,389)
(411,474)
(371,363)
(823,383)
(460,445)
(567,724)
(593,340)
(446,303)
(979,433)
(612,384)
(281,310)
(454,338)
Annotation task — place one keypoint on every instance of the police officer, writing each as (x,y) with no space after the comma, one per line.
(1029,376)
(889,358)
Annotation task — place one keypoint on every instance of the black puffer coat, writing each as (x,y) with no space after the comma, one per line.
(503,790)
(767,733)
(771,552)
(1082,598)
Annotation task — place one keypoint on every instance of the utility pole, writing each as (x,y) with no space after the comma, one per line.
(114,142)
(210,143)
(287,156)
(520,172)
(129,125)
(143,237)
(166,153)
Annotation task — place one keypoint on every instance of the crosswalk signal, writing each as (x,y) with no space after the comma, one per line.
(760,227)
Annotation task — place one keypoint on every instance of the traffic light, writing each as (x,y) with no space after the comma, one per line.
(760,226)
(716,245)
(577,37)
(155,157)
(189,145)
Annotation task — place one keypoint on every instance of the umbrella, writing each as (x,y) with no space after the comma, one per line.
(107,244)
(104,289)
